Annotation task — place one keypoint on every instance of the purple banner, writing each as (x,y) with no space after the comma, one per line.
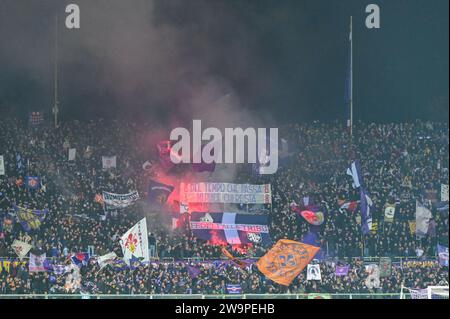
(342,270)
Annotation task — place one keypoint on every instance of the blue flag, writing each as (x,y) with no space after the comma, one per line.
(33,182)
(234,289)
(312,238)
(30,219)
(159,192)
(80,259)
(366,215)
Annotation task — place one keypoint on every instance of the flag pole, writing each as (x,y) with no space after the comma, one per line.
(351,75)
(56,105)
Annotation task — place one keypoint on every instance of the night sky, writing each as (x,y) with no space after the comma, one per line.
(283,59)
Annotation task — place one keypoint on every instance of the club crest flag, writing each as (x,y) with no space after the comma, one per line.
(313,272)
(135,243)
(33,182)
(286,260)
(314,218)
(2,165)
(109,162)
(21,248)
(37,262)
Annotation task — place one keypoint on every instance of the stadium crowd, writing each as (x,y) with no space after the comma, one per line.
(401,163)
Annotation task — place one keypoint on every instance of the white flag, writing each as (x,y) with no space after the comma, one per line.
(72,154)
(444,190)
(108,162)
(2,165)
(355,172)
(135,243)
(423,216)
(106,259)
(174,223)
(313,272)
(184,208)
(373,277)
(21,248)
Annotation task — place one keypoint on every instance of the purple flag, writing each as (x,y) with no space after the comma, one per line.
(193,271)
(342,270)
(366,215)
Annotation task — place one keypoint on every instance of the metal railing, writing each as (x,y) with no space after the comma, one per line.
(201,296)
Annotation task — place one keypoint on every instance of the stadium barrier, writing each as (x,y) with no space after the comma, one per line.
(201,259)
(199,296)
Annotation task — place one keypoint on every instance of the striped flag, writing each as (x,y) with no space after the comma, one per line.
(355,172)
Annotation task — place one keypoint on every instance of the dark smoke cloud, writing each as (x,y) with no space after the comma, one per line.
(169,59)
(166,58)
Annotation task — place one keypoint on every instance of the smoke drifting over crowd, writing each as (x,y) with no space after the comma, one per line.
(173,59)
(170,57)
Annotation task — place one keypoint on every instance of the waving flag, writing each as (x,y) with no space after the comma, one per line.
(355,172)
(21,248)
(33,182)
(135,243)
(350,206)
(231,228)
(314,218)
(80,259)
(342,270)
(240,263)
(193,271)
(286,260)
(366,214)
(159,192)
(312,238)
(106,260)
(60,269)
(30,219)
